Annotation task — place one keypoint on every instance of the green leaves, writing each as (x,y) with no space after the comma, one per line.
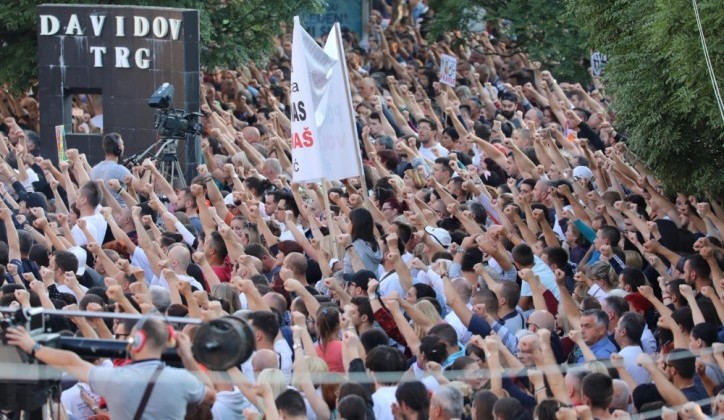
(663,95)
(541,28)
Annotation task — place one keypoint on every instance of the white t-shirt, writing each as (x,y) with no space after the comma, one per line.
(390,284)
(96,225)
(65,289)
(639,374)
(427,152)
(547,279)
(463,334)
(161,281)
(285,355)
(74,404)
(383,399)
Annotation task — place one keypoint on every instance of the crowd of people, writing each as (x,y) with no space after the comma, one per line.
(510,258)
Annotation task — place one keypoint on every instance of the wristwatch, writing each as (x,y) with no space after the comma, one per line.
(35,348)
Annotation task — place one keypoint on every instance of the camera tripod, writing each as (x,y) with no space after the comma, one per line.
(168,164)
(166,157)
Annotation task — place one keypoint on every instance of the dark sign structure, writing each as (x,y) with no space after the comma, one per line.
(122,53)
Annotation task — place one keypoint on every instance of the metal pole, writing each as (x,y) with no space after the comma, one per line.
(89,314)
(348,92)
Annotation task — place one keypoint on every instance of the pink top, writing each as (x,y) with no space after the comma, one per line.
(332,355)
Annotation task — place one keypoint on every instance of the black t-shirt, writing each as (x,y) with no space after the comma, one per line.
(696,393)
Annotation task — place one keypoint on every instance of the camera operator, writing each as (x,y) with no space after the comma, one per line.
(120,386)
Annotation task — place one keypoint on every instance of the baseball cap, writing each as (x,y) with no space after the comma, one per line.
(82,256)
(440,235)
(582,172)
(360,278)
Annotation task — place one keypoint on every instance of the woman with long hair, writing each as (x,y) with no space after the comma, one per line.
(364,242)
(329,346)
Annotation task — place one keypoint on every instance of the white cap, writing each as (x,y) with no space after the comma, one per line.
(82,256)
(582,172)
(440,235)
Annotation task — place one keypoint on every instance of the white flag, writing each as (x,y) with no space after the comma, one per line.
(324,137)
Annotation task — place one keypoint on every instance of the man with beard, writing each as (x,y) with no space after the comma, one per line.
(110,168)
(508,107)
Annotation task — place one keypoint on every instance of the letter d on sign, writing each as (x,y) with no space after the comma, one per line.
(140,26)
(49,25)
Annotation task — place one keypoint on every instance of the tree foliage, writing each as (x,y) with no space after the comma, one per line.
(541,28)
(231,30)
(657,75)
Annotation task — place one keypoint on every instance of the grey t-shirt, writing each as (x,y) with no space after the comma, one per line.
(107,170)
(123,388)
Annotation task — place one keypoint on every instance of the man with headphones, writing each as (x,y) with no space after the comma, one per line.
(144,389)
(110,168)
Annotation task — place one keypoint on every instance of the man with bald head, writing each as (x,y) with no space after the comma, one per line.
(541,320)
(574,382)
(179,258)
(527,345)
(271,169)
(251,134)
(297,263)
(545,320)
(264,359)
(367,88)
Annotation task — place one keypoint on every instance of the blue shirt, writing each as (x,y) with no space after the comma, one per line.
(602,349)
(451,358)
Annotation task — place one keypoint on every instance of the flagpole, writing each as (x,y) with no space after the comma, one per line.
(348,91)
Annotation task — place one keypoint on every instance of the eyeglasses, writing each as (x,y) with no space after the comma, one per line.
(119,336)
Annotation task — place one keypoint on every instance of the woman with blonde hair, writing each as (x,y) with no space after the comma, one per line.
(275,379)
(424,316)
(600,278)
(316,368)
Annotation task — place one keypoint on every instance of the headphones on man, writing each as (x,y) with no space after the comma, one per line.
(138,340)
(115,140)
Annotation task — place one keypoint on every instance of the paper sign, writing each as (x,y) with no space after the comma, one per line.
(448,69)
(598,63)
(60,140)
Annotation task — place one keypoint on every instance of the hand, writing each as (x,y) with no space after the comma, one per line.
(115,292)
(47,276)
(23,297)
(560,277)
(372,286)
(536,378)
(183,345)
(647,292)
(392,304)
(293,285)
(20,338)
(184,287)
(645,361)
(575,336)
(38,287)
(299,319)
(344,239)
(617,361)
(71,280)
(199,257)
(686,291)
